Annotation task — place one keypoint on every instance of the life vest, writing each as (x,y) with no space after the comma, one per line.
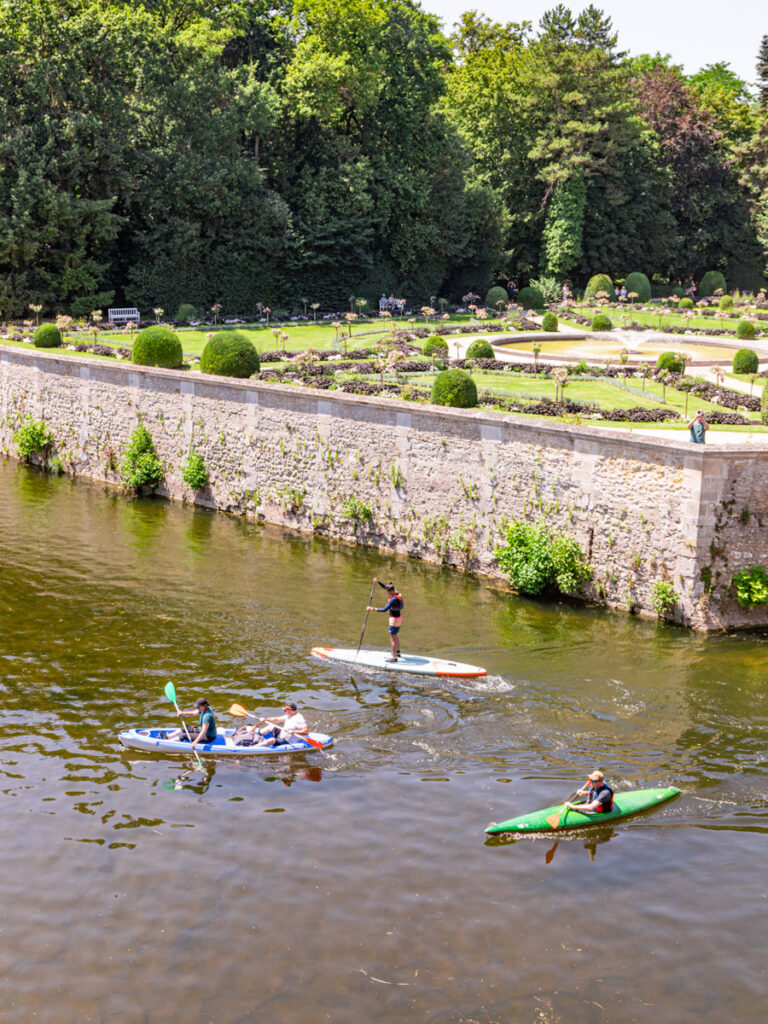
(594,792)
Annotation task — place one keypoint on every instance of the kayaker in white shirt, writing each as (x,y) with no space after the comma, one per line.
(284,727)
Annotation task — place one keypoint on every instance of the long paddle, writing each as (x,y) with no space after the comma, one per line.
(554,819)
(239,710)
(170,693)
(365,621)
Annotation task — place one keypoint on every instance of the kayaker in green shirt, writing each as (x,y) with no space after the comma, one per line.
(698,427)
(205,731)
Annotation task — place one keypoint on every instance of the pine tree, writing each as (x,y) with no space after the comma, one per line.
(762,72)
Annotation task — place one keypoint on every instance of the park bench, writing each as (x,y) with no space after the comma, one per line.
(116,316)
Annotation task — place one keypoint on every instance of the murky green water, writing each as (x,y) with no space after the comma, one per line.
(357,885)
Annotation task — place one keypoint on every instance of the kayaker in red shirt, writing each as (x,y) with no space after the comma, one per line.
(598,793)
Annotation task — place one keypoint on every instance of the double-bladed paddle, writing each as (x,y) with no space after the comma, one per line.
(554,819)
(170,693)
(240,712)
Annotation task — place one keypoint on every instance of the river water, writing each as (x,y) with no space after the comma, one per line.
(357,885)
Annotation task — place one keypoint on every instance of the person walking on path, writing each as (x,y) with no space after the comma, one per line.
(698,427)
(394,606)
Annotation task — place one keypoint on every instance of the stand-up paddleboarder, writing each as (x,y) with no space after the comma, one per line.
(394,606)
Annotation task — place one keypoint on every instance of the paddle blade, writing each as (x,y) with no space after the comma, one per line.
(313,743)
(553,820)
(170,692)
(239,710)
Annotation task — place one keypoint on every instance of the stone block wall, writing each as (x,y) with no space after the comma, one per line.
(432,483)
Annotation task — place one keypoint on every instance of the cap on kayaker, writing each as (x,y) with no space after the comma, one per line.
(201,702)
(389,586)
(596,776)
(292,705)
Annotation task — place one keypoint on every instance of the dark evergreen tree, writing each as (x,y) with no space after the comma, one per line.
(762,72)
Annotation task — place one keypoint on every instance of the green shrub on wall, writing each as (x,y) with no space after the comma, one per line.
(601,322)
(47,336)
(751,586)
(745,361)
(663,596)
(496,296)
(530,298)
(549,323)
(480,349)
(639,284)
(435,346)
(193,472)
(32,438)
(229,354)
(670,361)
(141,469)
(745,330)
(599,283)
(455,388)
(157,346)
(538,559)
(713,281)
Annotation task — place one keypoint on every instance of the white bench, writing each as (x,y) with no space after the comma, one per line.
(116,316)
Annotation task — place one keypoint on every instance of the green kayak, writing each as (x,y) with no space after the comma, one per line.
(557,818)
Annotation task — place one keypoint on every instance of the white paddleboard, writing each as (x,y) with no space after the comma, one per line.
(417,664)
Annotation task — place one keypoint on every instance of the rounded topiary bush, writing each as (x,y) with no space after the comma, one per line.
(745,330)
(47,336)
(435,346)
(157,346)
(726,302)
(599,283)
(496,295)
(601,322)
(745,361)
(455,388)
(685,303)
(480,349)
(549,322)
(186,313)
(670,361)
(639,284)
(530,298)
(713,281)
(229,354)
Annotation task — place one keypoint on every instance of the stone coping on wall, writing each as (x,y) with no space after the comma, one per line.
(382,412)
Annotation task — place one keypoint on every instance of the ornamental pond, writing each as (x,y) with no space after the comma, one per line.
(357,884)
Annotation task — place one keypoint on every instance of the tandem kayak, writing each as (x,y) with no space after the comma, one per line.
(624,804)
(415,664)
(222,746)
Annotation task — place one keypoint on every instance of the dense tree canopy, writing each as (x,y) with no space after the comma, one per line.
(252,153)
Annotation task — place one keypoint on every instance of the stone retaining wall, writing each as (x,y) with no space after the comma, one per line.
(439,482)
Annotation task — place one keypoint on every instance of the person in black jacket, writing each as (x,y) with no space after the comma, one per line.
(394,606)
(598,793)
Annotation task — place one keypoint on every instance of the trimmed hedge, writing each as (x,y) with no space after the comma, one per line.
(186,313)
(435,345)
(157,346)
(638,282)
(726,302)
(745,361)
(229,354)
(496,295)
(601,322)
(712,281)
(670,361)
(47,336)
(530,298)
(764,404)
(480,349)
(455,388)
(685,303)
(599,283)
(549,322)
(745,330)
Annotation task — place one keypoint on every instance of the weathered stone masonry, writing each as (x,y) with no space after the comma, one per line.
(439,481)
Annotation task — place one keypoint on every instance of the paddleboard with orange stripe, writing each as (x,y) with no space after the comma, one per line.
(409,664)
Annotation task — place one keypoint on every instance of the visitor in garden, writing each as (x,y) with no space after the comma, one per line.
(598,793)
(566,292)
(511,290)
(394,606)
(204,731)
(698,427)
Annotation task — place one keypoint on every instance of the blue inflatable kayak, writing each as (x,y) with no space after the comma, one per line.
(222,746)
